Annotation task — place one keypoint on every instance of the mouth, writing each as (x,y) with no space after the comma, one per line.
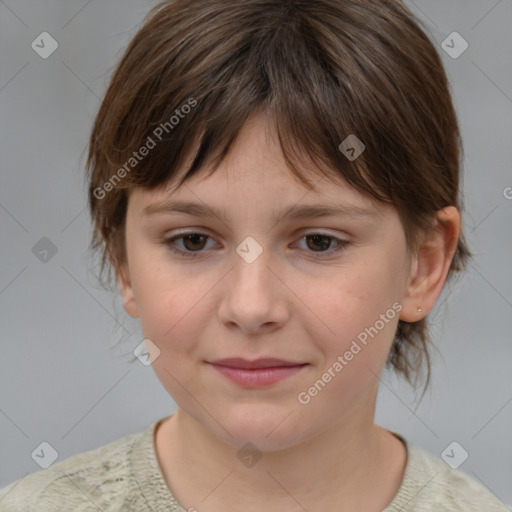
(257,373)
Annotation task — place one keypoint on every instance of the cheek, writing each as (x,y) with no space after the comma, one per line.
(172,315)
(172,308)
(361,319)
(358,314)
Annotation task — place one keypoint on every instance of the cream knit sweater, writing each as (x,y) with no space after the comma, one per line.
(124,475)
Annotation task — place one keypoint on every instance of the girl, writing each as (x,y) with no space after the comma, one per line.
(275,185)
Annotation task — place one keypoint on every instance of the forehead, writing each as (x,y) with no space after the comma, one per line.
(254,174)
(217,197)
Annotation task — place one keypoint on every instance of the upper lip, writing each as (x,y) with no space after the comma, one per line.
(267,362)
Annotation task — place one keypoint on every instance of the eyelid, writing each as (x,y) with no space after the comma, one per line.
(342,243)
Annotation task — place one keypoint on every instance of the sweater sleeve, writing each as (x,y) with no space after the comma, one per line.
(430,485)
(90,481)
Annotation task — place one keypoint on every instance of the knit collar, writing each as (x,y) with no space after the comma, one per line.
(149,477)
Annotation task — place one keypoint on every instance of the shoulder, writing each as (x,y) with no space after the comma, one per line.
(430,484)
(86,481)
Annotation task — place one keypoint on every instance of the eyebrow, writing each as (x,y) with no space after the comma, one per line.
(295,211)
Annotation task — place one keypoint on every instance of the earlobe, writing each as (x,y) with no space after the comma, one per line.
(431,265)
(126,292)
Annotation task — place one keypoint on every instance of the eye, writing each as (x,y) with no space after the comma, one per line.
(321,241)
(194,242)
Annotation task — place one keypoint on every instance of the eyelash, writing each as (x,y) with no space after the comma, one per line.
(170,243)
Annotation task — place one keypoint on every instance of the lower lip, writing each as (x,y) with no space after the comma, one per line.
(258,377)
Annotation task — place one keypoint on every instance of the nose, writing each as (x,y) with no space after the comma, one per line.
(253,297)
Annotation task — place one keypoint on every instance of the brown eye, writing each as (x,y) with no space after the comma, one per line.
(194,242)
(318,242)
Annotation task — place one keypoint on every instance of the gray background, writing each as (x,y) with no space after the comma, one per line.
(63,378)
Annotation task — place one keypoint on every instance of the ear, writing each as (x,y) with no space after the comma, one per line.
(126,291)
(431,264)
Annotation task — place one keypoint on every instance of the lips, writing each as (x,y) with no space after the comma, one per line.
(238,362)
(257,373)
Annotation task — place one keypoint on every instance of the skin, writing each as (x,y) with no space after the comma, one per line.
(291,304)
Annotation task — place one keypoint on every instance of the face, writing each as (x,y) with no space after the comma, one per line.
(323,292)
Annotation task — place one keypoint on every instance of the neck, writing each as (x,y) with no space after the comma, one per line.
(352,465)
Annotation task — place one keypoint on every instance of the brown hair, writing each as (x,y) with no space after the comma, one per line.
(319,70)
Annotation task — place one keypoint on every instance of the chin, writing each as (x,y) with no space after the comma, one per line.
(268,428)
